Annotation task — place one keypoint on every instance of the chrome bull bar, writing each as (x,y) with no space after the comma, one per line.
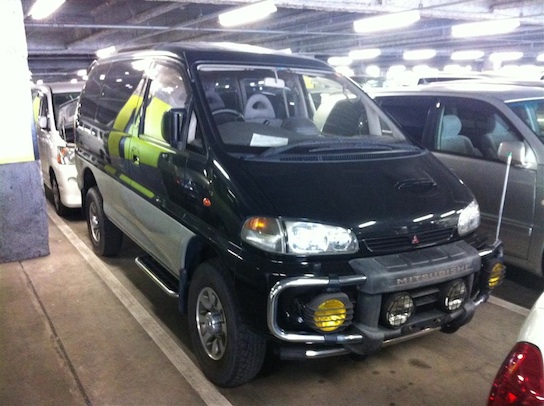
(298,282)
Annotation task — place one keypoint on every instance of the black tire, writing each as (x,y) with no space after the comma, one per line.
(229,353)
(60,208)
(105,237)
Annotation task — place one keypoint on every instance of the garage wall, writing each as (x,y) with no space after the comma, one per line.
(23,220)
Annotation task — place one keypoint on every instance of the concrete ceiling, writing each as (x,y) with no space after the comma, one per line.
(68,40)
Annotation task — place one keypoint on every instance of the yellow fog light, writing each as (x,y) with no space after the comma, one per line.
(496,275)
(328,312)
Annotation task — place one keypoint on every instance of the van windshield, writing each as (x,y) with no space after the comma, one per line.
(532,113)
(264,112)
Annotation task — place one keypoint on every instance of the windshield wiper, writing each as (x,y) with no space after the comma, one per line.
(335,145)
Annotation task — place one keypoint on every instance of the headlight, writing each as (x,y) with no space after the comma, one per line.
(469,219)
(298,237)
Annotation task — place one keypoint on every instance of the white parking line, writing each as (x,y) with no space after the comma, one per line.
(206,390)
(510,306)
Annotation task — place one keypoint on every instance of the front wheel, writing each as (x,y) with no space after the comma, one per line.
(229,353)
(105,236)
(60,208)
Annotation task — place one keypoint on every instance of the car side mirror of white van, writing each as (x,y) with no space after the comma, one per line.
(42,122)
(516,148)
(173,123)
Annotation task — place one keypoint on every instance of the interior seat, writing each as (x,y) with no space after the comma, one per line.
(497,132)
(300,125)
(214,100)
(340,117)
(259,109)
(451,140)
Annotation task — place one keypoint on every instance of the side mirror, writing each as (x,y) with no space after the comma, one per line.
(173,123)
(42,122)
(516,148)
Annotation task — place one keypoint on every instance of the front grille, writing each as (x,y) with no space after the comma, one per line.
(396,243)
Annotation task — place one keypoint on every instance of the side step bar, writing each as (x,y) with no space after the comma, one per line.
(159,275)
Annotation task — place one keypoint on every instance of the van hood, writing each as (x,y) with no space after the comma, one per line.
(413,191)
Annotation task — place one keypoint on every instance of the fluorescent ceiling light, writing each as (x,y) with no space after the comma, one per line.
(339,60)
(455,68)
(424,70)
(505,56)
(467,55)
(44,8)
(419,54)
(359,54)
(482,28)
(345,70)
(386,21)
(101,53)
(247,14)
(373,71)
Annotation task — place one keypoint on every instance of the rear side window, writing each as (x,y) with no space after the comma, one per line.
(121,95)
(91,91)
(409,112)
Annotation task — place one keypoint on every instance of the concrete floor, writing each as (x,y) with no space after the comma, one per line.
(77,330)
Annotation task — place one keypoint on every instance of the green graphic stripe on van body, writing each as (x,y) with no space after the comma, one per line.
(126,179)
(143,190)
(148,151)
(110,170)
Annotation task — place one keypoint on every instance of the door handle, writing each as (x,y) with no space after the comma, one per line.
(135,156)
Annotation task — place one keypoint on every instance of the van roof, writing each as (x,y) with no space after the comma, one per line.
(228,52)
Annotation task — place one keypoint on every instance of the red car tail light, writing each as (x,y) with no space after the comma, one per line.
(520,380)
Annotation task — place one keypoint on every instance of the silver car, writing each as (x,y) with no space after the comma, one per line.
(473,128)
(56,146)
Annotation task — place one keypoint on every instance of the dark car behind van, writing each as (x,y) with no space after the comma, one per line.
(278,202)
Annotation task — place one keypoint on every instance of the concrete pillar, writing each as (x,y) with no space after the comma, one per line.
(23,219)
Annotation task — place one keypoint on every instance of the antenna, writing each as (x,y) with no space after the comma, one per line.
(503,197)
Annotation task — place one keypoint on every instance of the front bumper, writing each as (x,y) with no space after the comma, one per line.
(375,278)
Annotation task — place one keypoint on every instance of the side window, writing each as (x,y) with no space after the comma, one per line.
(166,91)
(472,127)
(91,91)
(410,113)
(121,95)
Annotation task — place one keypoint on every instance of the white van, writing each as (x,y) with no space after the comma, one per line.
(57,147)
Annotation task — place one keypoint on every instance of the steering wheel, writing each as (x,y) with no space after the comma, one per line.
(236,115)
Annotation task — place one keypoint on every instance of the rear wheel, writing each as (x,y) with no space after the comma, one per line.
(229,353)
(59,207)
(105,237)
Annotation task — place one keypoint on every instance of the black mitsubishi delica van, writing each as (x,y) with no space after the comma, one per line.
(277,202)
